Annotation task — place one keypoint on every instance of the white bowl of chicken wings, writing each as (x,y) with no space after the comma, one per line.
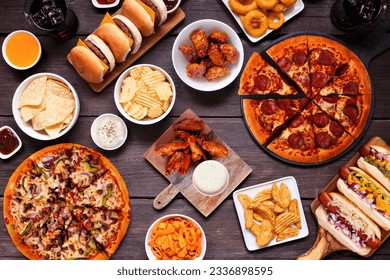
(207,55)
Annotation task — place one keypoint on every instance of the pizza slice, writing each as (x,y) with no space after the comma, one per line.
(265,117)
(296,142)
(261,78)
(330,137)
(350,79)
(291,55)
(352,112)
(326,57)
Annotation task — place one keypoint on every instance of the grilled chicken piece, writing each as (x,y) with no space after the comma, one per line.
(189,125)
(214,148)
(166,150)
(174,162)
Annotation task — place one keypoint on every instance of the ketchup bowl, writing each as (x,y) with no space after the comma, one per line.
(10,142)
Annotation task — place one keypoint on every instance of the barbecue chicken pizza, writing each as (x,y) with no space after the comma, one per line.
(306,98)
(66,201)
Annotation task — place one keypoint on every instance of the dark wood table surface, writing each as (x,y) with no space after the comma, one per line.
(222,112)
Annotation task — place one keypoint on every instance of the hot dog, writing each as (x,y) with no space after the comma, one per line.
(366,193)
(347,223)
(375,160)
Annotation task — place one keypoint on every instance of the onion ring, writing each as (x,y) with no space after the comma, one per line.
(279,8)
(242,9)
(288,3)
(272,24)
(267,4)
(255,23)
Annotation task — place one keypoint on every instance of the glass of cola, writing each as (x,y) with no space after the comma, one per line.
(52,16)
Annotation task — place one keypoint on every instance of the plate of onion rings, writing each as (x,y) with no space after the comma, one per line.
(258,18)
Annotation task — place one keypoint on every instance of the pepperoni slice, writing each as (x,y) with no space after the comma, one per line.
(297,121)
(284,63)
(326,58)
(351,88)
(299,57)
(323,139)
(336,129)
(262,82)
(295,140)
(319,79)
(283,103)
(331,99)
(268,107)
(303,101)
(342,69)
(320,120)
(351,111)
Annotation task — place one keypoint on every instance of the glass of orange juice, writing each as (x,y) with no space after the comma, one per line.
(15,52)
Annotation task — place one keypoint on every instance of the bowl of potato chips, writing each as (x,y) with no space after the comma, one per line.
(45,106)
(144,94)
(175,237)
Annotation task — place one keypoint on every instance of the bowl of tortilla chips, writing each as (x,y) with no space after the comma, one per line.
(45,106)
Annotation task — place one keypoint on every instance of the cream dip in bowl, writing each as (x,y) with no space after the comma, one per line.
(109,131)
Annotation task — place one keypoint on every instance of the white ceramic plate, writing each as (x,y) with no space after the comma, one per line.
(180,63)
(288,14)
(149,252)
(105,6)
(146,120)
(26,127)
(249,238)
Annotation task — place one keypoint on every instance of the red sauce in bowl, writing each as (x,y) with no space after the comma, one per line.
(170,4)
(105,2)
(8,141)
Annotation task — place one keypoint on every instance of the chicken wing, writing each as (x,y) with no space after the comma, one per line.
(216,72)
(174,162)
(189,124)
(214,148)
(189,53)
(200,41)
(197,153)
(216,55)
(218,37)
(230,53)
(186,162)
(166,150)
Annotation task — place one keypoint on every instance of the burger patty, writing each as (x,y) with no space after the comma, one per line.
(157,13)
(123,27)
(96,51)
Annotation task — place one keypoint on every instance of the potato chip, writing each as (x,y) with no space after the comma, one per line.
(284,220)
(269,204)
(166,104)
(153,78)
(255,229)
(278,209)
(257,217)
(244,199)
(294,208)
(129,88)
(263,211)
(154,112)
(263,195)
(140,114)
(288,232)
(275,193)
(131,108)
(34,93)
(284,195)
(266,234)
(163,90)
(147,101)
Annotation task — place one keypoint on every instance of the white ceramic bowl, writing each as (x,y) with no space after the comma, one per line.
(121,127)
(210,177)
(149,252)
(5,54)
(174,8)
(105,6)
(5,156)
(26,127)
(146,120)
(180,63)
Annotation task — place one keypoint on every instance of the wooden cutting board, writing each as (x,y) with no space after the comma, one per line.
(325,243)
(147,43)
(237,168)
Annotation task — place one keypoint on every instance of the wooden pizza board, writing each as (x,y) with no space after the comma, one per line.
(237,168)
(147,43)
(325,243)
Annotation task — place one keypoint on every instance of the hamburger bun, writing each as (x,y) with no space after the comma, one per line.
(130,30)
(92,59)
(115,39)
(139,12)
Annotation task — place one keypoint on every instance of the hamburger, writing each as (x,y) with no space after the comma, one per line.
(147,15)
(92,59)
(130,30)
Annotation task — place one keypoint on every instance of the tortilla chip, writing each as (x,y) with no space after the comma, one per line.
(39,121)
(57,108)
(54,130)
(58,89)
(33,94)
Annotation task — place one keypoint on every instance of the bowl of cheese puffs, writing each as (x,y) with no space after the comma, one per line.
(207,55)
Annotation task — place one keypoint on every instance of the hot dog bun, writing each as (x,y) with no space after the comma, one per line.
(354,216)
(370,168)
(382,220)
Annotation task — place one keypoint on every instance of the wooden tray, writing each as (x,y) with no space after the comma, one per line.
(237,168)
(147,43)
(325,243)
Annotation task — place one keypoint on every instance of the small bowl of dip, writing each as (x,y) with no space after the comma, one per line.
(172,5)
(15,52)
(210,178)
(105,4)
(10,142)
(109,131)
